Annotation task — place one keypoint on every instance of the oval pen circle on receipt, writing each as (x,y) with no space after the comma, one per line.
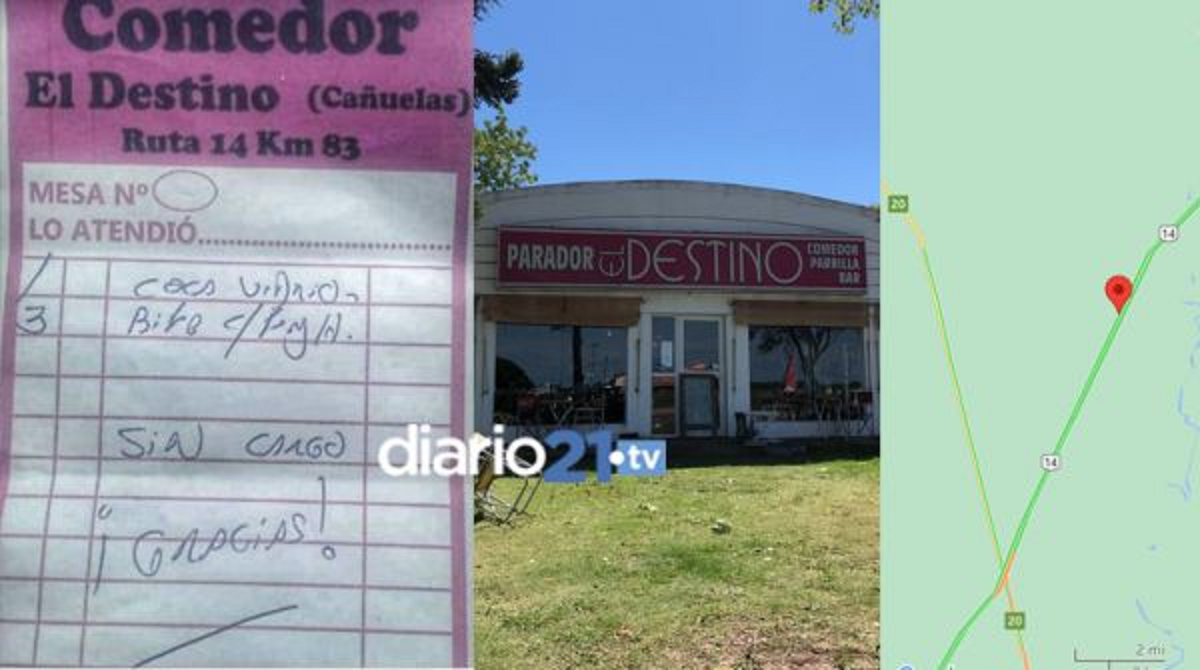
(185,190)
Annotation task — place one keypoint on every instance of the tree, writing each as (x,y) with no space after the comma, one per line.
(503,154)
(846,12)
(503,157)
(809,343)
(496,81)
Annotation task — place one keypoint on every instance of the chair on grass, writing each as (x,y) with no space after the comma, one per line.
(489,505)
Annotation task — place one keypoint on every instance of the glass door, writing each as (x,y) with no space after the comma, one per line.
(700,378)
(685,376)
(662,377)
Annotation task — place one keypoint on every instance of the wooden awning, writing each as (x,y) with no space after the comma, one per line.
(562,310)
(777,313)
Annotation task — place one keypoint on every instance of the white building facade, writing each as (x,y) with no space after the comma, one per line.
(668,309)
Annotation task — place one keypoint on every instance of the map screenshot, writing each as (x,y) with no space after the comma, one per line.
(1041,298)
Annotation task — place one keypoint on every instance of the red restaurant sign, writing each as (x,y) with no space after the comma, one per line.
(530,256)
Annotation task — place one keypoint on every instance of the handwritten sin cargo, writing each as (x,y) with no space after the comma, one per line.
(529,256)
(237,263)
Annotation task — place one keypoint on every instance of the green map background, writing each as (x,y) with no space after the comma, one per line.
(1042,145)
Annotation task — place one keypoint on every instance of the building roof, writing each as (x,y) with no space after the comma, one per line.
(680,187)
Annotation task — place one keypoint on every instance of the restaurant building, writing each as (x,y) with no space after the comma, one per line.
(674,308)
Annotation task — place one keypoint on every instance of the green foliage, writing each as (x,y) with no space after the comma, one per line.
(482,7)
(496,78)
(503,156)
(496,75)
(846,12)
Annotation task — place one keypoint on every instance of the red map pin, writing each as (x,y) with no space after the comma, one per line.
(1118,289)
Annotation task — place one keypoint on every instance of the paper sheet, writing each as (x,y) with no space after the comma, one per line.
(200,360)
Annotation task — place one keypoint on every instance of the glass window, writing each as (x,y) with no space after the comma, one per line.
(662,418)
(701,346)
(550,375)
(663,350)
(700,404)
(807,373)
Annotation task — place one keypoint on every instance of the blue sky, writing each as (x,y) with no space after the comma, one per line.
(756,92)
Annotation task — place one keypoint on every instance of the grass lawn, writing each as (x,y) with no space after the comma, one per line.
(632,574)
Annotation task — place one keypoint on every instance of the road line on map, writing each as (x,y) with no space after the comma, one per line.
(970,440)
(1180,221)
(960,401)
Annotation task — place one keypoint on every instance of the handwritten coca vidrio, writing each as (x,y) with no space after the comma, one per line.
(529,256)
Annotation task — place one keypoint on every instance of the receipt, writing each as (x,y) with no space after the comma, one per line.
(202,353)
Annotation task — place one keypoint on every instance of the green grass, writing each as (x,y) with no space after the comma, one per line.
(631,574)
